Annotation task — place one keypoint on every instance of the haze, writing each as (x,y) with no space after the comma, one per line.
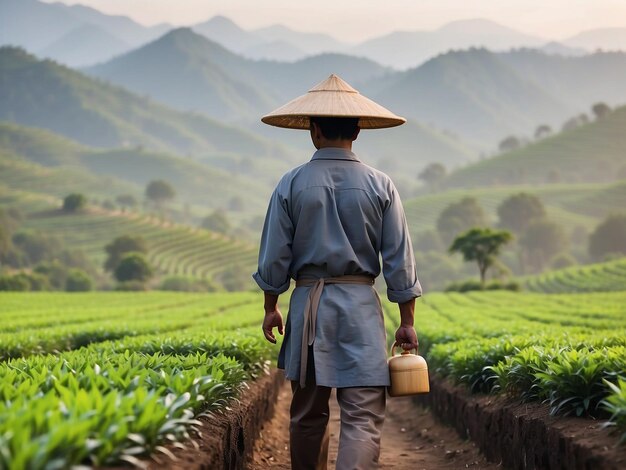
(352,20)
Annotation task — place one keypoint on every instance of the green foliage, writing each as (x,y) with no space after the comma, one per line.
(120,246)
(609,276)
(615,404)
(78,281)
(160,191)
(14,283)
(471,285)
(460,216)
(133,266)
(517,211)
(186,284)
(36,246)
(481,245)
(217,222)
(609,237)
(543,240)
(74,202)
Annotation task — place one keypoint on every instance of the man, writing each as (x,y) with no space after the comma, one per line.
(328,223)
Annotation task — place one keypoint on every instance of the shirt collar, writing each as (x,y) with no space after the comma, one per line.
(334,153)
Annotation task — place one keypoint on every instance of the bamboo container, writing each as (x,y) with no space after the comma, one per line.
(408,373)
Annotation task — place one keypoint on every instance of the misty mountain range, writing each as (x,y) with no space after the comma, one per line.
(79,36)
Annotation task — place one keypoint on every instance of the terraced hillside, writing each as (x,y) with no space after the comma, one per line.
(600,277)
(174,249)
(590,153)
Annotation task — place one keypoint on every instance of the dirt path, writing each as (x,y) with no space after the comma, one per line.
(412,439)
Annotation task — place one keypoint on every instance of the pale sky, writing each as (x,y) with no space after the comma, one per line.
(355,20)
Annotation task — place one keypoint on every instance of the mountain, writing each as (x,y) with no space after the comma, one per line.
(276,50)
(607,39)
(44,94)
(85,45)
(578,81)
(227,33)
(405,49)
(189,72)
(472,93)
(590,153)
(37,26)
(309,43)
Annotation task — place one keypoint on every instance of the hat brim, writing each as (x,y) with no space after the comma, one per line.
(297,113)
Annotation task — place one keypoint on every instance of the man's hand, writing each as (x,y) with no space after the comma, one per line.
(273,319)
(406,337)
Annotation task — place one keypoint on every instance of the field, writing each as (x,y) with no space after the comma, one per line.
(609,276)
(106,377)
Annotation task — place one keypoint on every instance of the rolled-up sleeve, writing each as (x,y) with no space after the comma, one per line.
(397,253)
(275,253)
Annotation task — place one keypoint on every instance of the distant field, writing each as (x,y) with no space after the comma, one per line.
(149,362)
(609,276)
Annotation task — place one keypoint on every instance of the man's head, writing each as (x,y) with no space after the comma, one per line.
(334,132)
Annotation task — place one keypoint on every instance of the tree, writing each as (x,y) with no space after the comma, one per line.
(481,245)
(542,131)
(432,175)
(217,222)
(126,201)
(542,240)
(601,110)
(78,281)
(518,211)
(36,246)
(159,192)
(120,246)
(133,267)
(509,144)
(609,237)
(74,202)
(460,216)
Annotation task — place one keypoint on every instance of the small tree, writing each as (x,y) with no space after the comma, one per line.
(78,281)
(518,211)
(601,110)
(120,246)
(542,241)
(133,267)
(159,192)
(542,131)
(609,237)
(509,144)
(126,201)
(217,222)
(432,175)
(74,202)
(481,245)
(460,216)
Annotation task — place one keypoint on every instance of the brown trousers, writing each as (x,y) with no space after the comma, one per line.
(362,416)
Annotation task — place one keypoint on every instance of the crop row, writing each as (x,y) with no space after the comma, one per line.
(118,398)
(609,276)
(568,351)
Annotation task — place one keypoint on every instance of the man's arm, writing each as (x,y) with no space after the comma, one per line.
(406,337)
(273,318)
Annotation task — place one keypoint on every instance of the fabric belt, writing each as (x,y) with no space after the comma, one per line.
(310,311)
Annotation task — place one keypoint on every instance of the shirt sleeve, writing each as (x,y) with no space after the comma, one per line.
(397,253)
(275,253)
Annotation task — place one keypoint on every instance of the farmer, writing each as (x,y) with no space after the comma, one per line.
(327,223)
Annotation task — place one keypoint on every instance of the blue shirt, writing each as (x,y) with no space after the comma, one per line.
(336,216)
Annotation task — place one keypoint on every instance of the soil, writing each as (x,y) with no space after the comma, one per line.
(412,439)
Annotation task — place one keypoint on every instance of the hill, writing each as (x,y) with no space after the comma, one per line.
(473,93)
(608,39)
(590,153)
(406,49)
(599,277)
(72,167)
(44,94)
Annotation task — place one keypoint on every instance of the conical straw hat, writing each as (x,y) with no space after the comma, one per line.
(332,98)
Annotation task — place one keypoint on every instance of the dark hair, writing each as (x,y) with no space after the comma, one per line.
(335,127)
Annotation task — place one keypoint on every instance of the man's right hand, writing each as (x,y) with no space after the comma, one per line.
(273,319)
(406,337)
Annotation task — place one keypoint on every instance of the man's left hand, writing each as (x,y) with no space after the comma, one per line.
(272,319)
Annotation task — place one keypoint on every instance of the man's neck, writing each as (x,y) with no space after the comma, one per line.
(339,143)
